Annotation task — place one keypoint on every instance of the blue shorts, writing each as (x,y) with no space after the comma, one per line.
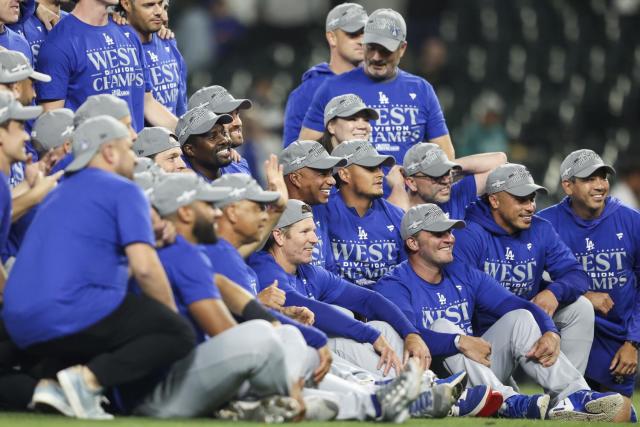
(602,352)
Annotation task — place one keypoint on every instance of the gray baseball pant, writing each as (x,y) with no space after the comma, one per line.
(576,323)
(511,338)
(213,372)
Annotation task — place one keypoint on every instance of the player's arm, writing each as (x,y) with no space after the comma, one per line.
(313,123)
(240,302)
(309,134)
(479,165)
(148,272)
(52,105)
(212,316)
(444,142)
(157,114)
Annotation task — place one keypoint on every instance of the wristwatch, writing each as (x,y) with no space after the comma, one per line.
(635,344)
(456,341)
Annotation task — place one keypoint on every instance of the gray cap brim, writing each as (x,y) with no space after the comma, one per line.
(377,160)
(265,197)
(439,169)
(526,189)
(41,77)
(82,160)
(228,107)
(585,173)
(446,224)
(26,113)
(208,193)
(223,119)
(328,162)
(371,113)
(352,27)
(390,44)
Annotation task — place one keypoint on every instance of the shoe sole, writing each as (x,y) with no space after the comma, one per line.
(46,404)
(543,406)
(492,405)
(480,404)
(458,386)
(443,400)
(607,405)
(273,410)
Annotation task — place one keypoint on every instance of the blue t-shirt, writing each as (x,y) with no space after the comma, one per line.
(35,32)
(5,209)
(72,270)
(168,74)
(461,292)
(12,40)
(300,98)
(408,107)
(237,167)
(85,60)
(607,248)
(463,193)
(518,260)
(362,249)
(191,276)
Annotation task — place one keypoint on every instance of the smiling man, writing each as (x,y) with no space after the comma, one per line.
(602,233)
(205,143)
(507,241)
(407,104)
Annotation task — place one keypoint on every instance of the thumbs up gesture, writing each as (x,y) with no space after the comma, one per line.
(272,296)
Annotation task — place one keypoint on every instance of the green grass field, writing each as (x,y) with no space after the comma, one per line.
(28,420)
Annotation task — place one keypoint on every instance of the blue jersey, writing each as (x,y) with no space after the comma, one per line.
(72,270)
(300,98)
(230,263)
(315,288)
(608,250)
(518,260)
(168,74)
(408,107)
(5,209)
(14,41)
(462,291)
(463,193)
(191,276)
(85,60)
(35,32)
(237,167)
(362,249)
(321,251)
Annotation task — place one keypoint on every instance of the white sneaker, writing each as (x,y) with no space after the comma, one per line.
(270,410)
(49,397)
(86,404)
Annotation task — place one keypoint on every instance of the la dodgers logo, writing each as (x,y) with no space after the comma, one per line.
(108,40)
(441,298)
(589,244)
(382,98)
(362,235)
(153,56)
(509,254)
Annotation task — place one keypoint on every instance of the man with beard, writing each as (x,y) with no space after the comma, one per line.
(74,308)
(429,178)
(407,104)
(602,232)
(363,228)
(506,240)
(167,68)
(205,142)
(308,174)
(344,28)
(212,375)
(220,101)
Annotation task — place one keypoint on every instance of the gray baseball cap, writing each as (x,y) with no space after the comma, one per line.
(427,158)
(90,135)
(197,121)
(361,153)
(103,104)
(385,27)
(581,164)
(310,154)
(296,211)
(154,140)
(15,67)
(145,180)
(217,99)
(348,17)
(180,189)
(53,128)
(428,217)
(346,106)
(513,178)
(10,109)
(244,187)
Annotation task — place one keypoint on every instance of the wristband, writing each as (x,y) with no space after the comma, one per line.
(456,342)
(255,310)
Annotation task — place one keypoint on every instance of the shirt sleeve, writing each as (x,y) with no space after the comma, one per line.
(314,119)
(440,344)
(57,63)
(134,216)
(436,125)
(569,280)
(468,247)
(294,113)
(193,279)
(314,337)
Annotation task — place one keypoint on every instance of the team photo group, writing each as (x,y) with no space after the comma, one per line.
(375,275)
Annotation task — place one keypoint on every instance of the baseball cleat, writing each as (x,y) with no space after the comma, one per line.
(478,401)
(395,397)
(433,403)
(587,405)
(320,409)
(49,397)
(85,403)
(270,410)
(457,381)
(521,406)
